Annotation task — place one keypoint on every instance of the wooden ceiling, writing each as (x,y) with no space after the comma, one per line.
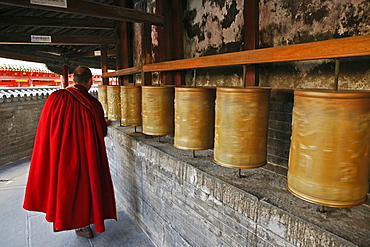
(59,31)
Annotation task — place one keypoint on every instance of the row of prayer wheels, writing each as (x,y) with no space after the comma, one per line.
(330,143)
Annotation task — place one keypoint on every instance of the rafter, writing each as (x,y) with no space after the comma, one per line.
(40,57)
(89,8)
(56,22)
(14,38)
(89,54)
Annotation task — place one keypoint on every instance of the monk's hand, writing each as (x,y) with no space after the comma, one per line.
(109,122)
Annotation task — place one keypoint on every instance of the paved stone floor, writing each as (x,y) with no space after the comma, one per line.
(19,227)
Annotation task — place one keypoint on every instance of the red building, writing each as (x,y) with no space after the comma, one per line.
(26,74)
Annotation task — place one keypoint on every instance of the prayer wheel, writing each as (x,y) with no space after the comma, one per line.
(102,97)
(330,146)
(114,102)
(157,110)
(131,105)
(194,118)
(241,127)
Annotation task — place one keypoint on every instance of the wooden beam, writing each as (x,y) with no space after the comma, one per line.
(337,48)
(42,49)
(56,22)
(122,72)
(29,57)
(13,38)
(41,57)
(89,8)
(89,54)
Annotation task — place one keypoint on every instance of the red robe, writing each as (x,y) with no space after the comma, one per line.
(69,176)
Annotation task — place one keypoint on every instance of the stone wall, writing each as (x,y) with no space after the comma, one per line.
(19,116)
(179,200)
(280,130)
(20,110)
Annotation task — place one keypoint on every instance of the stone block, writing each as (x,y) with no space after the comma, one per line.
(292,230)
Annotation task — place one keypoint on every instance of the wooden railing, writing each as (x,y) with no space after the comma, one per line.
(337,48)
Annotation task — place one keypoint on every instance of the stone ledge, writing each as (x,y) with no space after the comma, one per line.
(259,192)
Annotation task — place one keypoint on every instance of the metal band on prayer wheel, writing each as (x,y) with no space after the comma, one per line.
(114,102)
(194,118)
(241,127)
(157,110)
(131,105)
(330,146)
(102,97)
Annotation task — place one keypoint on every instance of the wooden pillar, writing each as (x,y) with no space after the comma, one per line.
(163,39)
(103,62)
(170,38)
(118,48)
(177,38)
(251,40)
(65,74)
(123,44)
(147,52)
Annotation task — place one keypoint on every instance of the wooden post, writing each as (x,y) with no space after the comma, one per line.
(123,44)
(177,38)
(65,73)
(251,31)
(170,40)
(103,62)
(147,52)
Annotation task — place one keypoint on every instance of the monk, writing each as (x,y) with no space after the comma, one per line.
(69,178)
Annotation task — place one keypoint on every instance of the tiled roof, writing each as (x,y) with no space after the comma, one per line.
(27,93)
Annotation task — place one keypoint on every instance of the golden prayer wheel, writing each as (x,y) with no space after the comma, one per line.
(102,97)
(114,102)
(330,147)
(157,110)
(241,127)
(194,118)
(131,105)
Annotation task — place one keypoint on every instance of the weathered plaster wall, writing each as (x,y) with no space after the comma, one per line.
(213,27)
(216,26)
(285,22)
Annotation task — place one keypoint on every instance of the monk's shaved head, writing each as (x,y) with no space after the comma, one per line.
(81,75)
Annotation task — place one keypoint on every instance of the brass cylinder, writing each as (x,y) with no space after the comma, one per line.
(330,146)
(102,97)
(114,102)
(131,105)
(157,110)
(194,118)
(241,127)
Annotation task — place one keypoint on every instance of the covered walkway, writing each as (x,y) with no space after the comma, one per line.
(20,228)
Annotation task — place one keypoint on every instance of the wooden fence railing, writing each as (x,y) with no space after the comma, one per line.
(337,48)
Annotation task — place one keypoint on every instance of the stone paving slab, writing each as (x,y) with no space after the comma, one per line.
(19,227)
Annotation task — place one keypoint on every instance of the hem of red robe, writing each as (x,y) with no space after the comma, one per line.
(74,228)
